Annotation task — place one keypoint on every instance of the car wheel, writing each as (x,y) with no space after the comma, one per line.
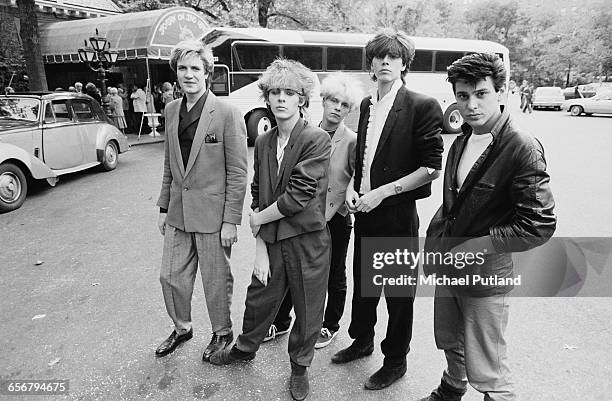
(259,122)
(452,120)
(13,187)
(111,156)
(575,110)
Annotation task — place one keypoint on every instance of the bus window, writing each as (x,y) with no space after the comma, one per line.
(423,60)
(444,59)
(344,58)
(256,56)
(310,56)
(220,82)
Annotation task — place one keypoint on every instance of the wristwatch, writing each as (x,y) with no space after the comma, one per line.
(398,188)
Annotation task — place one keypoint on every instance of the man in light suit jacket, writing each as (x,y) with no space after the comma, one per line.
(341,93)
(399,153)
(201,198)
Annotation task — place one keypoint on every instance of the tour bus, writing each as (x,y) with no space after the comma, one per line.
(242,54)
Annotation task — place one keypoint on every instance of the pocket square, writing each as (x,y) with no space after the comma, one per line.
(210,138)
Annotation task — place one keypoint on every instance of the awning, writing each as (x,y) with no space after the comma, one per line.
(147,34)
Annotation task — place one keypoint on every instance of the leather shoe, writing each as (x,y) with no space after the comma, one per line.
(298,385)
(217,343)
(227,356)
(354,351)
(170,344)
(445,392)
(385,377)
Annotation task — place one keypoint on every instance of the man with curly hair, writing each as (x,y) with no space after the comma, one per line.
(289,189)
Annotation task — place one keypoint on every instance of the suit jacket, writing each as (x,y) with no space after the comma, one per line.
(410,139)
(341,168)
(299,187)
(211,189)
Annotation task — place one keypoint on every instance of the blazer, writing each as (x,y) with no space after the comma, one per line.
(341,168)
(410,139)
(299,187)
(211,189)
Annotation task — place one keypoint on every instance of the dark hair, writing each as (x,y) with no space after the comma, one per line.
(390,42)
(476,67)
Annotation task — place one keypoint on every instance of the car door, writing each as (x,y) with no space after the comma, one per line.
(603,104)
(88,124)
(62,143)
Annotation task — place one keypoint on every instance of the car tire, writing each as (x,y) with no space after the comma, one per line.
(110,157)
(258,123)
(576,110)
(13,187)
(452,120)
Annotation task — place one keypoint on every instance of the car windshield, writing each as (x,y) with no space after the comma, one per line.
(23,109)
(548,91)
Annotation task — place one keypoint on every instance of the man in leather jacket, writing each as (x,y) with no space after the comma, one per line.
(496,200)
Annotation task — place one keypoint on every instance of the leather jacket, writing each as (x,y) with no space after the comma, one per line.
(506,195)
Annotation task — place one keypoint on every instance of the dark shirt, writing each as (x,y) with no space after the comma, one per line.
(188,123)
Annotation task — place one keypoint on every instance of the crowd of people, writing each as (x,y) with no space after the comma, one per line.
(129,105)
(312,183)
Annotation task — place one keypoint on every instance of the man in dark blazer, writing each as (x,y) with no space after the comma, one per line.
(399,153)
(201,198)
(289,188)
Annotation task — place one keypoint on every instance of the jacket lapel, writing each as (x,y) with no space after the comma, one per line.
(272,163)
(338,137)
(289,151)
(172,134)
(201,131)
(390,122)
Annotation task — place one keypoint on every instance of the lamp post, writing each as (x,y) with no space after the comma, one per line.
(100,59)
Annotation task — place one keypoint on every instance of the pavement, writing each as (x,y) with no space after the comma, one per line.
(145,139)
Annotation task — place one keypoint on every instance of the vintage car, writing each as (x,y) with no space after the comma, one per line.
(548,96)
(45,135)
(599,104)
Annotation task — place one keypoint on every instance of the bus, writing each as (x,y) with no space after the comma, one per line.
(242,54)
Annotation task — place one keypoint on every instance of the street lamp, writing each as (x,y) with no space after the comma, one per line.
(100,59)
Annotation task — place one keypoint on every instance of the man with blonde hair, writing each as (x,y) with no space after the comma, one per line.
(341,93)
(201,198)
(289,187)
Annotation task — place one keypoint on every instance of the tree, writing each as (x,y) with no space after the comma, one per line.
(30,40)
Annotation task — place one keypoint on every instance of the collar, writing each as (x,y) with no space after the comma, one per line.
(497,127)
(390,95)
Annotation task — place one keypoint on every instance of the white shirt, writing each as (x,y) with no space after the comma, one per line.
(140,105)
(379,111)
(280,151)
(473,149)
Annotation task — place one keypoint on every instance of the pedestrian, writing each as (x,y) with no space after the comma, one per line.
(496,195)
(79,87)
(524,85)
(398,154)
(289,187)
(72,89)
(139,99)
(92,90)
(116,107)
(125,103)
(201,198)
(341,94)
(528,95)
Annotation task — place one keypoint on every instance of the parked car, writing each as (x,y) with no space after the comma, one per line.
(587,90)
(601,103)
(548,96)
(46,135)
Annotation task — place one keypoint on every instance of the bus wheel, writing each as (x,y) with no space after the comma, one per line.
(452,120)
(259,122)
